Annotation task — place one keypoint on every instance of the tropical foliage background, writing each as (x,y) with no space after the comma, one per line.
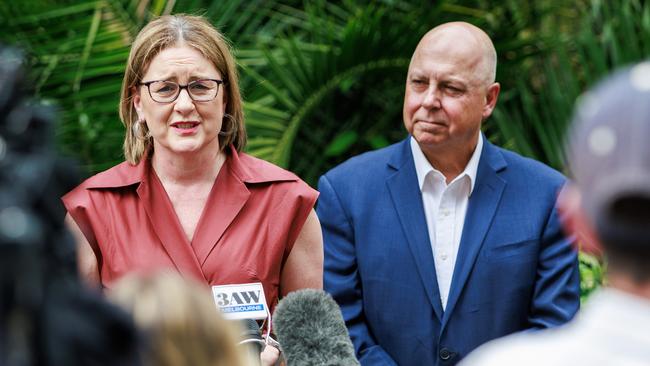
(323,80)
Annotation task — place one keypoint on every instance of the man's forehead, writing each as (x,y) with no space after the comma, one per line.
(444,63)
(449,73)
(446,46)
(452,51)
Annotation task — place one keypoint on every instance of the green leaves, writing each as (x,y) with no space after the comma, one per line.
(533,116)
(592,275)
(298,76)
(78,52)
(341,143)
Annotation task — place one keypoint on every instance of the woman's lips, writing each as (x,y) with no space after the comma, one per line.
(185,128)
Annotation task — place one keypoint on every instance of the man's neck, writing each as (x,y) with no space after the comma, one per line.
(450,161)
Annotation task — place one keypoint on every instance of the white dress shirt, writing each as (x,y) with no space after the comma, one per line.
(445,206)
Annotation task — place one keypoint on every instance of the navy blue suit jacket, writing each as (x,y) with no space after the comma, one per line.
(515,269)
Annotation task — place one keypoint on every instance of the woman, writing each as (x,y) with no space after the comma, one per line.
(179,321)
(187,197)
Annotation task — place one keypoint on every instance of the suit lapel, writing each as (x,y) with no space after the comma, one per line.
(407,199)
(481,210)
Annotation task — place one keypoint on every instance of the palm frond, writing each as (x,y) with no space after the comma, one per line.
(534,116)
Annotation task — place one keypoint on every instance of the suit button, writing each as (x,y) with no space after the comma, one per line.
(444,354)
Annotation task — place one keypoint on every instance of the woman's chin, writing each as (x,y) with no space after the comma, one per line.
(186,147)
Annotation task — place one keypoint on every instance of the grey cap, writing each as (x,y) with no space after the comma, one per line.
(609,148)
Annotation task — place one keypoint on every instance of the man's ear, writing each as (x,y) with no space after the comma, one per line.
(491,99)
(575,222)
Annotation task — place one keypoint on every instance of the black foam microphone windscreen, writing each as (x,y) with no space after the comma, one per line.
(311,330)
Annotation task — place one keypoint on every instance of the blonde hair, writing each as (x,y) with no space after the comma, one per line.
(169,31)
(181,320)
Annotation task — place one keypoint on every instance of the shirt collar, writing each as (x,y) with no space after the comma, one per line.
(423,167)
(246,168)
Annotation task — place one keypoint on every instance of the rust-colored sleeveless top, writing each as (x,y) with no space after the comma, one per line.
(250,222)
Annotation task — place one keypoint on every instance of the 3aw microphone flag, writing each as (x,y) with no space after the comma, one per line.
(242,301)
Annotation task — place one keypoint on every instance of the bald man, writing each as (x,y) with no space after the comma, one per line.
(442,242)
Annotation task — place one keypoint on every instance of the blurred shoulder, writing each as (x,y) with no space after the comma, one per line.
(541,348)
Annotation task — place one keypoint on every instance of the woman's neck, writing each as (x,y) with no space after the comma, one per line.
(190,168)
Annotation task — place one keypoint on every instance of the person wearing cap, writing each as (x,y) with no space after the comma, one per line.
(444,241)
(607,206)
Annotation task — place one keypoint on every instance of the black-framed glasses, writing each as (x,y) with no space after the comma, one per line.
(202,90)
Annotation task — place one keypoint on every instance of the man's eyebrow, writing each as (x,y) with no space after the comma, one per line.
(453,79)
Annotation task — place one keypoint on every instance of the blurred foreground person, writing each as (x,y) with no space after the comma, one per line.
(47,316)
(180,322)
(608,202)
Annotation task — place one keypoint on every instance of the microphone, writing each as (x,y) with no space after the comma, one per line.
(245,303)
(251,341)
(311,330)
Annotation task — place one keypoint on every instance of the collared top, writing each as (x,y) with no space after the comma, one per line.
(445,206)
(612,329)
(250,222)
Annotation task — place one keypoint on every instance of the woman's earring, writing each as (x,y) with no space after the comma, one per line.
(139,130)
(229,126)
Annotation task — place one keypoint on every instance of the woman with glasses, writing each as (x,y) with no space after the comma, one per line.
(187,197)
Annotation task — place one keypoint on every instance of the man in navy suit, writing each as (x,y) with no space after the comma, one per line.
(443,241)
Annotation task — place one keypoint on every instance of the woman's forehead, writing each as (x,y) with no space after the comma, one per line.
(180,61)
